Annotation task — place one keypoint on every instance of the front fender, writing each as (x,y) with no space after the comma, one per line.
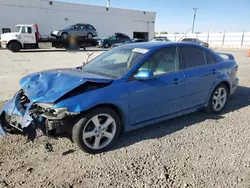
(15,40)
(85,101)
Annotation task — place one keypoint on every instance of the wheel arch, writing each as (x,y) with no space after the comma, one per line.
(64,32)
(14,40)
(113,107)
(226,83)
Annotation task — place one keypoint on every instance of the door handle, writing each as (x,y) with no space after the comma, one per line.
(176,81)
(214,71)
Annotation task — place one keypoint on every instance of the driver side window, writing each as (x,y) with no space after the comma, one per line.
(162,61)
(23,30)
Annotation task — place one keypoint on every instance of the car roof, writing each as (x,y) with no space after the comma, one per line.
(156,45)
(82,24)
(25,25)
(151,45)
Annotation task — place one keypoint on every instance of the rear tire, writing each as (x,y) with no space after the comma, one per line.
(14,47)
(89,36)
(218,99)
(97,130)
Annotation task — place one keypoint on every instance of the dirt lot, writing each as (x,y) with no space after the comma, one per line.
(197,150)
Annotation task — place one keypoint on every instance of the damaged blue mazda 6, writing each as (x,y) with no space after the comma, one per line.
(126,88)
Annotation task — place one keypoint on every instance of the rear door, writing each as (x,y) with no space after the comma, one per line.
(200,72)
(83,30)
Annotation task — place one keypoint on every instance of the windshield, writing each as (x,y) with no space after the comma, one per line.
(116,62)
(17,29)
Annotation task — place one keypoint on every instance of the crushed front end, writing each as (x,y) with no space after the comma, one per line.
(20,113)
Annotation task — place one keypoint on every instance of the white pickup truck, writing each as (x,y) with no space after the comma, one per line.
(28,37)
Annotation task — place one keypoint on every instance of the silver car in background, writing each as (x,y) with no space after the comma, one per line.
(81,30)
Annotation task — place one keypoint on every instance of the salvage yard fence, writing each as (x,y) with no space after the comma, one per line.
(224,39)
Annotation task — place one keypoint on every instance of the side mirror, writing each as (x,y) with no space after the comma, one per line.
(144,75)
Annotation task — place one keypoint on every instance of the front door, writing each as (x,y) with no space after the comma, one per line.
(161,95)
(27,36)
(83,31)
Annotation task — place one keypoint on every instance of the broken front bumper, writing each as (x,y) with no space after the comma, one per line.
(27,116)
(15,113)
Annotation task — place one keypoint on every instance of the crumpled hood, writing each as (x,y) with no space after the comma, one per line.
(49,86)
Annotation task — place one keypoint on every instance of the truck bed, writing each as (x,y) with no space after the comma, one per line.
(64,42)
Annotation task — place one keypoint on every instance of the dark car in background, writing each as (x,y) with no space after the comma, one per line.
(114,39)
(195,40)
(134,40)
(79,30)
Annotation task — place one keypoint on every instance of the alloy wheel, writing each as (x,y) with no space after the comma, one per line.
(99,131)
(219,99)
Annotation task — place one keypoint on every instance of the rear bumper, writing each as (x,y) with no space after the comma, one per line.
(234,85)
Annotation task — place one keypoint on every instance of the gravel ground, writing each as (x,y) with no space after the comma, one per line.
(196,150)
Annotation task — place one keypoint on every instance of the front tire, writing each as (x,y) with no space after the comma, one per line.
(97,130)
(218,99)
(64,35)
(14,47)
(106,45)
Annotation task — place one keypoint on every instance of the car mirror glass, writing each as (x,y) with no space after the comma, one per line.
(144,75)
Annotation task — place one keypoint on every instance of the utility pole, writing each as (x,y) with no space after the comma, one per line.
(108,3)
(195,9)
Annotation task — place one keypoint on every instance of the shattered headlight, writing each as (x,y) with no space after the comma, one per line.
(47,111)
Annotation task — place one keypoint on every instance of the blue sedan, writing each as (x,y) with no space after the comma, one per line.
(126,88)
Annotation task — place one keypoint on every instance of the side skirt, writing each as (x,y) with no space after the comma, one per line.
(164,118)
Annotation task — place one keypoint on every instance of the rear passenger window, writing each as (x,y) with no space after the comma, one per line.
(209,58)
(193,57)
(82,27)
